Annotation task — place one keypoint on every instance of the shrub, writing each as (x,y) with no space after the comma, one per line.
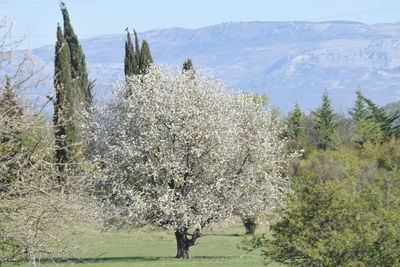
(344,222)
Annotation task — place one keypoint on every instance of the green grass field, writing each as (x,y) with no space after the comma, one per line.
(157,248)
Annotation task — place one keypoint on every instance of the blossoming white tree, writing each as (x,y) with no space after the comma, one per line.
(182,153)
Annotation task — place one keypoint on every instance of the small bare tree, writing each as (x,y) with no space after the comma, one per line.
(36,212)
(182,153)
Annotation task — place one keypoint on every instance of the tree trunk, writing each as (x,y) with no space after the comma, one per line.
(183,243)
(250,226)
(32,260)
(182,247)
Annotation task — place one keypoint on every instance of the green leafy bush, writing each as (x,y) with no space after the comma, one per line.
(344,210)
(343,222)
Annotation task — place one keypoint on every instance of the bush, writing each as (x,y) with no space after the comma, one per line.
(323,165)
(386,155)
(344,222)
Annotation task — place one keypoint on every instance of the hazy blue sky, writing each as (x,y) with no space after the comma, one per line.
(38,18)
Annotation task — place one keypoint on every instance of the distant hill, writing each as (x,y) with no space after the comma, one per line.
(289,61)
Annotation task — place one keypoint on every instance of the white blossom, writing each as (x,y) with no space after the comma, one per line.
(180,152)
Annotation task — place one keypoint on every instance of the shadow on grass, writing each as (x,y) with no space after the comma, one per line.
(112,259)
(101,259)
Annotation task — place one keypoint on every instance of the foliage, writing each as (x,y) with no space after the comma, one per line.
(137,48)
(359,111)
(344,211)
(187,65)
(10,144)
(64,105)
(296,123)
(130,64)
(347,222)
(262,99)
(182,153)
(35,210)
(393,108)
(137,60)
(373,123)
(82,86)
(386,156)
(379,115)
(368,130)
(252,216)
(296,129)
(325,124)
(324,165)
(145,58)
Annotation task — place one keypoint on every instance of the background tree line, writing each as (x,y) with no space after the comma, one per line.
(344,209)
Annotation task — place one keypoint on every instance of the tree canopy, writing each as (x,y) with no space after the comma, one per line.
(182,153)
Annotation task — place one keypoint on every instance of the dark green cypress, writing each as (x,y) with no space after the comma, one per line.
(130,63)
(145,57)
(188,68)
(325,123)
(187,65)
(64,121)
(137,48)
(79,72)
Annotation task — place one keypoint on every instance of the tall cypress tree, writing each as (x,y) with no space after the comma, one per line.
(325,123)
(130,63)
(137,48)
(79,72)
(64,121)
(145,57)
(137,60)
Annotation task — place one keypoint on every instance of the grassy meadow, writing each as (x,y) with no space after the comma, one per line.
(151,247)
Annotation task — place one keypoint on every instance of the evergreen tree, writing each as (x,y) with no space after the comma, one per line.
(145,58)
(10,134)
(79,72)
(130,63)
(386,121)
(296,123)
(137,60)
(64,122)
(188,68)
(359,111)
(9,108)
(367,128)
(325,123)
(187,65)
(137,48)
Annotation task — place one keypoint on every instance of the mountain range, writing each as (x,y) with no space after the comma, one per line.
(288,61)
